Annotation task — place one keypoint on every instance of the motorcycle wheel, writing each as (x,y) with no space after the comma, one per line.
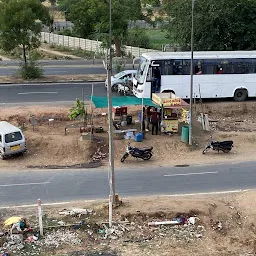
(226,150)
(124,157)
(206,149)
(147,156)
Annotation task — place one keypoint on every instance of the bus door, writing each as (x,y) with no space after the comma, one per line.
(156,73)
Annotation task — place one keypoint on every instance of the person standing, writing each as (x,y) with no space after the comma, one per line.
(148,117)
(154,120)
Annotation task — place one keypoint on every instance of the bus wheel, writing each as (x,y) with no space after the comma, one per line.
(240,95)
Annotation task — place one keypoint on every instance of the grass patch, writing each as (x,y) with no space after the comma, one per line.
(77,52)
(157,38)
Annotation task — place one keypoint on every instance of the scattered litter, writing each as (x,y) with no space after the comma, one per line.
(175,221)
(76,212)
(61,223)
(59,237)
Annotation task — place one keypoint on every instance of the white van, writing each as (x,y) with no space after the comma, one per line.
(12,140)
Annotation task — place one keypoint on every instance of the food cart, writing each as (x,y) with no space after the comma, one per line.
(173,111)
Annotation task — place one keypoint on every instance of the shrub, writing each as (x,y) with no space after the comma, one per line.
(30,70)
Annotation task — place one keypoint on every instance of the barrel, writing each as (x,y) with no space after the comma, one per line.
(185,134)
(139,137)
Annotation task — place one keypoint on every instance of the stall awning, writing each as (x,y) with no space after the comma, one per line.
(102,102)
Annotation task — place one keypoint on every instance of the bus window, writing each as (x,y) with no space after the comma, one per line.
(177,67)
(167,68)
(239,67)
(186,67)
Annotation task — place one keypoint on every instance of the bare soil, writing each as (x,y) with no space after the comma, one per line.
(224,226)
(48,145)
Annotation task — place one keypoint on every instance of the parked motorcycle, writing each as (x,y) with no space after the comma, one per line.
(224,146)
(143,153)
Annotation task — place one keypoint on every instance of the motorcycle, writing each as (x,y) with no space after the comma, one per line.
(143,153)
(224,146)
(125,89)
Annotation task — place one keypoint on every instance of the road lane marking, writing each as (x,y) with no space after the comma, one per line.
(188,174)
(24,93)
(25,184)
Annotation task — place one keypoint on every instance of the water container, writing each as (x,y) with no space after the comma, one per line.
(185,134)
(139,137)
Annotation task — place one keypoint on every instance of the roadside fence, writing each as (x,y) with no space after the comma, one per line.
(88,45)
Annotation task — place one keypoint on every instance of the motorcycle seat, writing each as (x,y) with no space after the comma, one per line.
(224,143)
(145,148)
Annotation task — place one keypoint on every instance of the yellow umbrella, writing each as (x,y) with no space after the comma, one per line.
(12,220)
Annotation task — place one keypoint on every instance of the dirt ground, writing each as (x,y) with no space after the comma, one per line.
(48,144)
(224,226)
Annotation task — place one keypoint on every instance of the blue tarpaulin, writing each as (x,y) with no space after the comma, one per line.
(102,102)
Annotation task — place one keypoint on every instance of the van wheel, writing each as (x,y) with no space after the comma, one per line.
(240,95)
(114,87)
(2,156)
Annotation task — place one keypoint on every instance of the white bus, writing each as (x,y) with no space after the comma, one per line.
(216,74)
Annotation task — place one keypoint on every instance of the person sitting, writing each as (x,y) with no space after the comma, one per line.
(219,70)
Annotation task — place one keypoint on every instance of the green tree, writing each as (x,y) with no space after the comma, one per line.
(219,24)
(21,24)
(91,17)
(138,37)
(153,3)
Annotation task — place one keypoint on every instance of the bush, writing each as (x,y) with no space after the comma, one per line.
(30,70)
(137,37)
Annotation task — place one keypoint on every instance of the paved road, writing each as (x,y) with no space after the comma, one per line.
(59,67)
(26,186)
(46,93)
(59,70)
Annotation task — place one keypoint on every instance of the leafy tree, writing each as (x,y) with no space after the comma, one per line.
(153,3)
(21,24)
(138,37)
(91,17)
(219,24)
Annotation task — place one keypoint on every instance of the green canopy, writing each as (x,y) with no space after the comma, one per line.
(102,102)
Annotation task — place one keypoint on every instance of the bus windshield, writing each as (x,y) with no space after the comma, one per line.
(141,70)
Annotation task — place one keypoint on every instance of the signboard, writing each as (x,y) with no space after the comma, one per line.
(169,126)
(166,102)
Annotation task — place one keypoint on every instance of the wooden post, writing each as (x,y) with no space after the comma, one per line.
(202,121)
(40,217)
(206,121)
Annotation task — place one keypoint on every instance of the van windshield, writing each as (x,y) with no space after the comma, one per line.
(14,136)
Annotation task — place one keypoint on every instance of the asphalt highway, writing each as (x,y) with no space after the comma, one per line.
(60,67)
(19,187)
(48,93)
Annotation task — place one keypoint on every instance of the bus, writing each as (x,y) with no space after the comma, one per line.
(216,74)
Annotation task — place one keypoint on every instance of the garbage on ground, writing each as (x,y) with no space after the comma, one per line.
(114,232)
(175,221)
(76,212)
(56,238)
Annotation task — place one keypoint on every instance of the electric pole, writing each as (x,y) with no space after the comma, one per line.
(110,124)
(191,72)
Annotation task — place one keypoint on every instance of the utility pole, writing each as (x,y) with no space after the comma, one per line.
(110,124)
(191,73)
